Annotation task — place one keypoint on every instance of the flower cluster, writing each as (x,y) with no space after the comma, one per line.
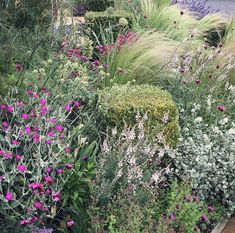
(35,156)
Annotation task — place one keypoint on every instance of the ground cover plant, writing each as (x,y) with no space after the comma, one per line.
(121,121)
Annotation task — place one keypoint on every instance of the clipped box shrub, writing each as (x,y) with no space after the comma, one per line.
(112,21)
(120,105)
(99,5)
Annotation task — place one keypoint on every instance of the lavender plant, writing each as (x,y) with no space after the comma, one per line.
(200,8)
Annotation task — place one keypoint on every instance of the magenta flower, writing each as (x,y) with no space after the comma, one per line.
(48,179)
(25,116)
(37,205)
(50,134)
(21,168)
(20,104)
(59,171)
(67,108)
(27,130)
(56,196)
(171,216)
(49,170)
(204,218)
(48,191)
(53,120)
(198,81)
(36,138)
(221,108)
(69,166)
(7,155)
(5,124)
(67,150)
(19,156)
(210,208)
(10,108)
(36,186)
(24,222)
(3,106)
(14,142)
(76,103)
(69,223)
(9,196)
(48,142)
(59,128)
(2,152)
(19,67)
(43,101)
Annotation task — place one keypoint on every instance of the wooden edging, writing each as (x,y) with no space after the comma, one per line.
(220,226)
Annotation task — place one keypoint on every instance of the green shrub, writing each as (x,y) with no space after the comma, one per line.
(99,5)
(121,103)
(99,22)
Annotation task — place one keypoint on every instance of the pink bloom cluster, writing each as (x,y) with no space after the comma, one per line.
(33,152)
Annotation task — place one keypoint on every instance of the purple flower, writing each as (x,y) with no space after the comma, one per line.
(19,67)
(171,216)
(204,218)
(210,208)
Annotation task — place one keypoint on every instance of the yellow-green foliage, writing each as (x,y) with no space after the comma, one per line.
(121,103)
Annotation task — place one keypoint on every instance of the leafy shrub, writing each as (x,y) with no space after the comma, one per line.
(131,169)
(182,211)
(36,158)
(115,22)
(206,154)
(121,103)
(99,5)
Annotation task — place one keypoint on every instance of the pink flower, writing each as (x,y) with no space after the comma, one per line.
(59,171)
(59,128)
(19,156)
(27,130)
(19,67)
(9,196)
(67,150)
(53,120)
(7,155)
(25,116)
(171,217)
(24,222)
(49,170)
(221,108)
(37,205)
(69,166)
(56,196)
(1,178)
(36,138)
(77,104)
(21,168)
(2,152)
(50,134)
(3,106)
(48,179)
(36,186)
(35,129)
(210,208)
(43,101)
(10,108)
(204,218)
(48,191)
(69,223)
(67,108)
(20,104)
(48,142)
(61,137)
(14,142)
(5,124)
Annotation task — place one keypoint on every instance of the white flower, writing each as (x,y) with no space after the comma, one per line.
(198,120)
(231,131)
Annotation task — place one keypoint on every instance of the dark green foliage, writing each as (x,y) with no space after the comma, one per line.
(108,21)
(99,5)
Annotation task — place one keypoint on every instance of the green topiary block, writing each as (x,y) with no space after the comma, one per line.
(99,5)
(99,22)
(120,104)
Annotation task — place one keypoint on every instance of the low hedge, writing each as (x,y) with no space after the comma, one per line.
(120,104)
(116,20)
(99,5)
